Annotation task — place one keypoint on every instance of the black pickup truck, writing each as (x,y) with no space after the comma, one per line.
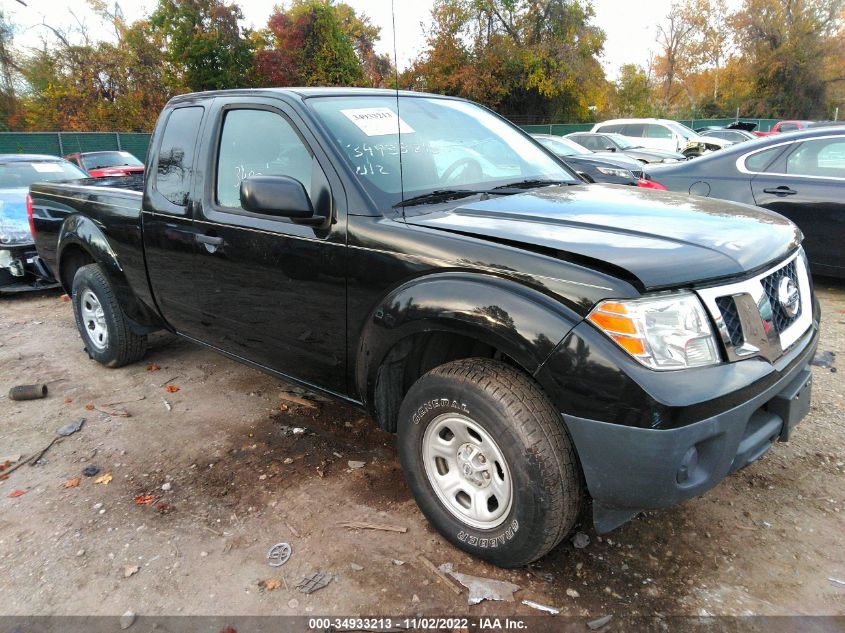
(535,341)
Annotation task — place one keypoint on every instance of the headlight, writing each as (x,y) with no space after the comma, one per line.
(14,231)
(667,332)
(619,173)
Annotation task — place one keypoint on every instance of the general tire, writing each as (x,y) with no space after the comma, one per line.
(96,310)
(503,405)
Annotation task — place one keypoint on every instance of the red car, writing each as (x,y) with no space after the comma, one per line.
(786,126)
(105,164)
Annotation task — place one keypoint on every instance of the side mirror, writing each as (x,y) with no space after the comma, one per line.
(280,196)
(610,148)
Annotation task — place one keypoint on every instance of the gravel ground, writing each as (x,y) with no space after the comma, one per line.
(230,475)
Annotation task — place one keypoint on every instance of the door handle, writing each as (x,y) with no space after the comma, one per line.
(211,242)
(783,190)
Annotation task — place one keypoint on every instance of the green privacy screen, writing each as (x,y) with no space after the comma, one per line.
(63,143)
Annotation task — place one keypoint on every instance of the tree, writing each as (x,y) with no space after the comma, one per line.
(792,45)
(527,58)
(633,93)
(205,46)
(8,70)
(674,62)
(307,46)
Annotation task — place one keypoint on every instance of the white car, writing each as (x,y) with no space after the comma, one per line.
(662,134)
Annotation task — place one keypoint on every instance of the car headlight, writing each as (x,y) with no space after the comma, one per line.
(618,173)
(666,332)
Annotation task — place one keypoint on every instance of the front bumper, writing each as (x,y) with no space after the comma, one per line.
(21,269)
(630,469)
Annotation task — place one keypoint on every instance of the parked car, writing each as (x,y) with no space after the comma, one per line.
(734,136)
(800,175)
(663,134)
(20,269)
(617,143)
(595,167)
(786,126)
(527,335)
(107,164)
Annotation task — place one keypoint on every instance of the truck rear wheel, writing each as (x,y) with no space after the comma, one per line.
(489,461)
(104,328)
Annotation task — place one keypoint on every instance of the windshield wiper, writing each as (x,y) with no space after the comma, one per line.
(528,184)
(439,195)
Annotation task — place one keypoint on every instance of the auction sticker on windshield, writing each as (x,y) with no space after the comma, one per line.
(46,167)
(377,121)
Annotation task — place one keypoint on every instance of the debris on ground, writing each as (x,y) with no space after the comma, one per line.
(363,525)
(314,582)
(171,388)
(28,392)
(595,625)
(153,367)
(541,607)
(441,575)
(17,492)
(270,584)
(104,479)
(72,483)
(167,405)
(279,554)
(71,427)
(572,593)
(356,567)
(90,470)
(144,500)
(821,359)
(127,619)
(294,399)
(112,411)
(483,588)
(355,465)
(836,581)
(166,486)
(580,540)
(130,570)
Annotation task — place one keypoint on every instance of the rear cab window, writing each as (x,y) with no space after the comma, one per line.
(174,168)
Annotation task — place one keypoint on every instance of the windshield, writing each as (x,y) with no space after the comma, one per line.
(681,129)
(563,146)
(621,142)
(14,175)
(110,159)
(445,144)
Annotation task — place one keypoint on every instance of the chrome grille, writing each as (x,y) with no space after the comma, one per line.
(750,317)
(770,285)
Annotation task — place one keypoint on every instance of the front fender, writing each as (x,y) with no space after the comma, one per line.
(80,232)
(519,321)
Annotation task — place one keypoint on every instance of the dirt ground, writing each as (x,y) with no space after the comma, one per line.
(241,478)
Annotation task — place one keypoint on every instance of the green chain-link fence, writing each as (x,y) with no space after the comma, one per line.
(63,143)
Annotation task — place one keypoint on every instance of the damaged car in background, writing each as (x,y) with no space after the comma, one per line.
(20,267)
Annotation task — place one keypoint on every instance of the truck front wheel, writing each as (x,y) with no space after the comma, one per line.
(489,461)
(104,328)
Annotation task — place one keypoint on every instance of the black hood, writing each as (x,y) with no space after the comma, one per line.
(662,239)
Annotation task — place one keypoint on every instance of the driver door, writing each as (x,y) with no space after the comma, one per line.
(271,291)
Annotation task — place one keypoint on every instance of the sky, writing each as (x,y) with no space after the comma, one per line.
(630,28)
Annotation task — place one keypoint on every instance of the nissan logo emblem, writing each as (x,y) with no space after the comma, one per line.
(789,297)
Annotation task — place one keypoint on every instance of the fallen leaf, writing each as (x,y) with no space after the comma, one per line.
(68,400)
(171,388)
(103,479)
(90,406)
(164,508)
(144,500)
(17,492)
(4,477)
(130,570)
(72,483)
(153,367)
(271,584)
(65,298)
